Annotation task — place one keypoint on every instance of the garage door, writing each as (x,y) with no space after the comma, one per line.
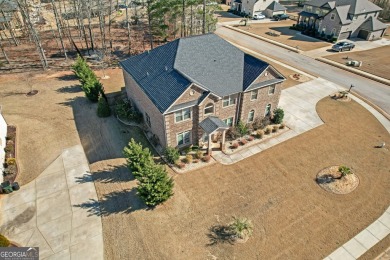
(344,35)
(363,34)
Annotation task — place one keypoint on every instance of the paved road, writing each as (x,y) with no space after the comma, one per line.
(374,91)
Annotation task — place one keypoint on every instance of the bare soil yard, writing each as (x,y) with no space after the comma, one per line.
(375,61)
(276,189)
(289,37)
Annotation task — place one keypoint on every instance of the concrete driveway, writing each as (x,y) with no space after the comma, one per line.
(45,212)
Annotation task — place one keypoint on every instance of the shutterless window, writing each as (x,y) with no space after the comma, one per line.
(271,90)
(228,101)
(184,138)
(209,108)
(251,116)
(254,94)
(183,115)
(228,121)
(332,16)
(148,119)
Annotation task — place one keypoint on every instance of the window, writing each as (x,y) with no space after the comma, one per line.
(184,138)
(228,101)
(254,94)
(228,121)
(209,108)
(148,119)
(267,110)
(183,115)
(271,90)
(332,16)
(333,31)
(251,116)
(309,8)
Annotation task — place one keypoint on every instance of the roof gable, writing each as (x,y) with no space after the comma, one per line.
(372,24)
(275,6)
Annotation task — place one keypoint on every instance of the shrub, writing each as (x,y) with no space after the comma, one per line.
(188,158)
(187,150)
(242,128)
(172,154)
(206,158)
(155,186)
(235,145)
(89,82)
(241,228)
(267,131)
(278,116)
(275,129)
(250,138)
(11,161)
(4,242)
(282,126)
(264,122)
(199,154)
(259,134)
(344,170)
(195,161)
(103,109)
(243,141)
(9,148)
(232,133)
(137,157)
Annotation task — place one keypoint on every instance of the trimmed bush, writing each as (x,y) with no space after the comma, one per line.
(275,129)
(278,116)
(4,242)
(235,145)
(282,126)
(243,141)
(259,134)
(137,157)
(172,154)
(103,109)
(199,154)
(188,159)
(195,161)
(11,161)
(206,158)
(180,164)
(267,131)
(250,138)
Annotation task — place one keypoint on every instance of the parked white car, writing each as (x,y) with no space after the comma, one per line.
(258,16)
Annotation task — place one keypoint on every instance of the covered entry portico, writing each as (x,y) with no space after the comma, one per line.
(211,126)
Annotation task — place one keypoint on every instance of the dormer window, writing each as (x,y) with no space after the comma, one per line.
(209,109)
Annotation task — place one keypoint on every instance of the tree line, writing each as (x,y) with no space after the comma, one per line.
(86,26)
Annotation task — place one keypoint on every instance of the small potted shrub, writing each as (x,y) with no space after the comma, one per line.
(282,126)
(250,138)
(243,141)
(206,158)
(188,158)
(235,145)
(267,131)
(275,129)
(259,134)
(199,154)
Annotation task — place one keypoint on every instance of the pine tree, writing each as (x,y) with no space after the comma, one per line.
(137,157)
(103,109)
(155,186)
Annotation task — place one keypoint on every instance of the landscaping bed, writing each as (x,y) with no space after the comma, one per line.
(10,165)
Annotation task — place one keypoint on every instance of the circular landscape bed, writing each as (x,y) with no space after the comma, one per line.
(332,180)
(341,96)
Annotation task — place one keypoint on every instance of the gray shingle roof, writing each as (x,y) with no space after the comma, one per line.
(212,123)
(372,24)
(275,6)
(342,12)
(165,72)
(355,6)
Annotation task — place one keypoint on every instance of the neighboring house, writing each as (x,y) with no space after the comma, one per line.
(8,11)
(274,8)
(193,89)
(255,6)
(343,18)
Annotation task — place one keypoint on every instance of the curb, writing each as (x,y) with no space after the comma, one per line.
(380,110)
(264,39)
(358,72)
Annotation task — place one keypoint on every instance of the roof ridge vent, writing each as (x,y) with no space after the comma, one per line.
(166,68)
(147,74)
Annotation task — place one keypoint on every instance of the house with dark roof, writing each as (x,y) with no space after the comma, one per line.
(192,90)
(343,19)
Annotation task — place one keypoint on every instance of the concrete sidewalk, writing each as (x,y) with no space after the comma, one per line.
(44,213)
(299,105)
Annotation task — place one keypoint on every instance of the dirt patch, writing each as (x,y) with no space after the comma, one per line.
(375,61)
(291,214)
(289,37)
(327,179)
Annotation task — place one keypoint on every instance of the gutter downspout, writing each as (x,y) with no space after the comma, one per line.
(238,110)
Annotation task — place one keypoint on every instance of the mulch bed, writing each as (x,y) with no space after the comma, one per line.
(32,93)
(326,180)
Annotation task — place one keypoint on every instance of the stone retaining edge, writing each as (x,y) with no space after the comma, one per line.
(361,73)
(263,39)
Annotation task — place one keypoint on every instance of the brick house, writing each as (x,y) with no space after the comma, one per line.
(193,89)
(343,19)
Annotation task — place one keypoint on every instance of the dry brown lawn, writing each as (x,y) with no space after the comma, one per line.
(375,61)
(293,217)
(289,37)
(224,16)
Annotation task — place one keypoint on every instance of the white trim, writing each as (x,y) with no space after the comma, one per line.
(184,120)
(253,119)
(269,88)
(184,144)
(232,117)
(257,94)
(270,109)
(235,101)
(204,109)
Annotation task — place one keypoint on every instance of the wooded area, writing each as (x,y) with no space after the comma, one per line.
(385,5)
(50,33)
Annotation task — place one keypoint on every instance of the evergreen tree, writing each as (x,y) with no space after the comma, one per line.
(103,109)
(155,186)
(137,157)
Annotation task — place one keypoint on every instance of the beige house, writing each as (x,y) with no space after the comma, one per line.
(192,90)
(266,7)
(343,19)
